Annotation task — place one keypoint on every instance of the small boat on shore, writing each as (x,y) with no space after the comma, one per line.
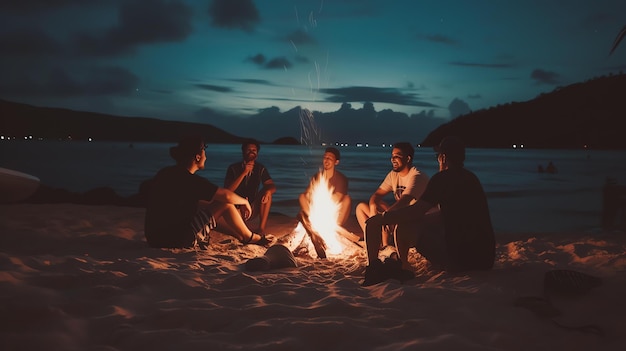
(16,186)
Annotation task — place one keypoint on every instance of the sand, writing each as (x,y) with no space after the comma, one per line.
(78,277)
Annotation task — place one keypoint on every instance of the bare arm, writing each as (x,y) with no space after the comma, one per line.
(269,188)
(404,201)
(412,213)
(376,200)
(227,196)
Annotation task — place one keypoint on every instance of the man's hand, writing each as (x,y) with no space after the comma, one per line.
(267,196)
(249,167)
(376,219)
(245,210)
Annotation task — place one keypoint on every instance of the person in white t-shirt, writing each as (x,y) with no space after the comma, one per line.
(404,181)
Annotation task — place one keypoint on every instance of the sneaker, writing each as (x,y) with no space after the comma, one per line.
(375,273)
(393,269)
(386,252)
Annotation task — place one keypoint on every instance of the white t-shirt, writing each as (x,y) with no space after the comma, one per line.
(412,184)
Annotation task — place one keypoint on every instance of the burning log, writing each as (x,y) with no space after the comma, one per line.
(318,242)
(348,235)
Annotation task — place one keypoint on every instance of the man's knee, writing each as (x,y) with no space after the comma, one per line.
(363,209)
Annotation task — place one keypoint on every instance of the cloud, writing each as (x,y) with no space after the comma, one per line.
(28,42)
(372,94)
(302,59)
(545,77)
(219,89)
(438,38)
(38,6)
(474,96)
(275,63)
(97,81)
(258,59)
(458,107)
(300,37)
(278,62)
(345,125)
(234,14)
(208,113)
(481,65)
(253,81)
(140,22)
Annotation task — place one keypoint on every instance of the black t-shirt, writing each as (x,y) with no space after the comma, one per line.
(469,233)
(174,196)
(251,184)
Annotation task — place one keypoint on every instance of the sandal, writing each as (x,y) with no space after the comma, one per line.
(263,241)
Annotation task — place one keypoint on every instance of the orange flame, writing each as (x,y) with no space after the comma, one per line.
(323,214)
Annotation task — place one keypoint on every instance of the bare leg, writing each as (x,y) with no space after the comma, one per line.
(264,212)
(362,214)
(233,219)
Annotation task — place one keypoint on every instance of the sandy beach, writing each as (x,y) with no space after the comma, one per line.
(79,277)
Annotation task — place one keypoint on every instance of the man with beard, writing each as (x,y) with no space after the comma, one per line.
(251,180)
(404,180)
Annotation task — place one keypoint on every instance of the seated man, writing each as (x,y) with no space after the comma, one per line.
(458,238)
(183,207)
(337,180)
(251,180)
(404,181)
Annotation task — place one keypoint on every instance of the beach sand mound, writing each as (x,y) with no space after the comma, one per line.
(79,277)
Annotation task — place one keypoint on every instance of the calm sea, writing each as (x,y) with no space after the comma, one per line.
(520,199)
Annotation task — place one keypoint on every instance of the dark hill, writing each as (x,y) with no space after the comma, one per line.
(590,114)
(56,123)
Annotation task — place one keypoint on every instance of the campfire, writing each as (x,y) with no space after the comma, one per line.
(319,232)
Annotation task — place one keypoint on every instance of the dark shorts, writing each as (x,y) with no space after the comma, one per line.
(201,225)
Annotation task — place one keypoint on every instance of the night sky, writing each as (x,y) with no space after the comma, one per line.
(219,61)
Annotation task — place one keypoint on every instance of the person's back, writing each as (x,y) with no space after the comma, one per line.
(469,235)
(168,210)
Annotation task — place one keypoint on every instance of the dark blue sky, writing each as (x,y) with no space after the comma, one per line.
(217,61)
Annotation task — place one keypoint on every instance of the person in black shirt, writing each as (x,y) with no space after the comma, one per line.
(459,237)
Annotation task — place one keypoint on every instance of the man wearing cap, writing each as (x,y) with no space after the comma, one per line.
(251,180)
(459,237)
(337,180)
(183,207)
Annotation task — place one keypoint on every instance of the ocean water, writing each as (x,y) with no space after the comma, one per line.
(520,198)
